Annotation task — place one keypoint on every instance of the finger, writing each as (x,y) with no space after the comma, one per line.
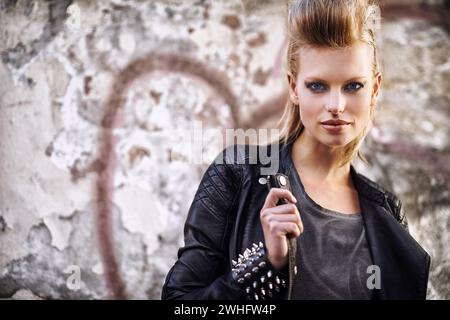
(277,193)
(285,228)
(282,209)
(284,217)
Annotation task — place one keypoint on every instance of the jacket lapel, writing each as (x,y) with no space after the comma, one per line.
(403,263)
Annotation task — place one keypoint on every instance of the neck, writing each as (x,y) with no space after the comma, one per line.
(319,163)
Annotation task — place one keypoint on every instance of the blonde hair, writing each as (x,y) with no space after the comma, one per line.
(327,24)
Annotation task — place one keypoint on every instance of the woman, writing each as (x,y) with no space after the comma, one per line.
(338,234)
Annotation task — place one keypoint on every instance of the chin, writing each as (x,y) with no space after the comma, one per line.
(336,142)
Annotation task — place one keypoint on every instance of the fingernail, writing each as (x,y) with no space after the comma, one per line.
(295,200)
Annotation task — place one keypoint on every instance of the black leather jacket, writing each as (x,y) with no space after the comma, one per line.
(224,219)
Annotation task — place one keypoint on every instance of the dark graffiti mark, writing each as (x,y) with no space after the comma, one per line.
(268,110)
(174,64)
(113,118)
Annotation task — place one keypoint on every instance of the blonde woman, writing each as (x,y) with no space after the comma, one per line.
(337,235)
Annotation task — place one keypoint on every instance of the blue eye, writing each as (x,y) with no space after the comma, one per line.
(315,86)
(354,86)
(318,87)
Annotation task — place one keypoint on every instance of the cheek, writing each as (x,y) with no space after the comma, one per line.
(360,110)
(361,105)
(310,109)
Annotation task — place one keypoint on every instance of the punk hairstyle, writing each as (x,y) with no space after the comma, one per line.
(327,24)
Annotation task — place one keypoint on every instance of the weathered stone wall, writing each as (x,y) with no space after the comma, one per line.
(97,99)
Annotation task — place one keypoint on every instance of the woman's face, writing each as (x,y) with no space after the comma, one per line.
(335,84)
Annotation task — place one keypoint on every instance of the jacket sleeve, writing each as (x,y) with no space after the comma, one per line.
(202,270)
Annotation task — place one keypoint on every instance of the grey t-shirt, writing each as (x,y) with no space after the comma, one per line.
(332,255)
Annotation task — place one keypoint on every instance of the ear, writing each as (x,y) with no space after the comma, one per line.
(292,88)
(377,86)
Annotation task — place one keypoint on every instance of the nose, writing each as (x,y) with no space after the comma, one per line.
(336,102)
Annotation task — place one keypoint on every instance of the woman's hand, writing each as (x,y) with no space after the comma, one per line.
(278,222)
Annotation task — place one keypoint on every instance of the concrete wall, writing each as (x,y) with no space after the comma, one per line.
(97,99)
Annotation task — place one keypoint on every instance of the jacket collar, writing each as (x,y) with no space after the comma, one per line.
(366,188)
(403,263)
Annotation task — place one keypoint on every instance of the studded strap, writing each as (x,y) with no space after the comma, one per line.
(254,274)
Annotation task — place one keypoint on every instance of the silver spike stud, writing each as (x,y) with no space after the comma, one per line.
(255,284)
(263,292)
(262,264)
(255,270)
(283,283)
(248,290)
(282,180)
(270,285)
(240,280)
(234,263)
(255,246)
(241,257)
(247,275)
(263,279)
(277,280)
(256,296)
(269,274)
(261,244)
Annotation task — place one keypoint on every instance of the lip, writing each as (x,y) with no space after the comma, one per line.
(335,122)
(334,126)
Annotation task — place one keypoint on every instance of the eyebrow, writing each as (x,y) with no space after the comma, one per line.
(309,79)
